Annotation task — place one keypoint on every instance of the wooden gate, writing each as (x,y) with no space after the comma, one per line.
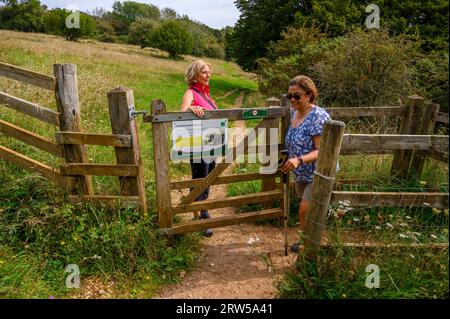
(271,117)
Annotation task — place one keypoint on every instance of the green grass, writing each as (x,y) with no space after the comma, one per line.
(40,232)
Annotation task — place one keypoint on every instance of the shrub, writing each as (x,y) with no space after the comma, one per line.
(360,69)
(141,32)
(55,23)
(174,39)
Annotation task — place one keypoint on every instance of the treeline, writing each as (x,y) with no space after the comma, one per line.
(129,22)
(329,41)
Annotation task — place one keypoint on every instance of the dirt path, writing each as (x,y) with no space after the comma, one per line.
(241,261)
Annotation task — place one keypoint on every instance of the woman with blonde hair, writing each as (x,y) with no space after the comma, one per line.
(196,99)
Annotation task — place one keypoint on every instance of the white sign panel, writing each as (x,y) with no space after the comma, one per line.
(199,138)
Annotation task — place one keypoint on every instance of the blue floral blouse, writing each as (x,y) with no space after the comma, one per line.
(299,141)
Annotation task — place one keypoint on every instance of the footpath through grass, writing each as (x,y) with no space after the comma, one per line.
(40,233)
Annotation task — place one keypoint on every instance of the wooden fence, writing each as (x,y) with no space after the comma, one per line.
(70,142)
(409,152)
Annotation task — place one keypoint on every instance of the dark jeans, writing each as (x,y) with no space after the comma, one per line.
(200,170)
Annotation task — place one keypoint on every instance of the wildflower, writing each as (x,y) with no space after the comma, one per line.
(403,225)
(436,211)
(377,227)
(346,203)
(402,236)
(389,225)
(356,219)
(433,236)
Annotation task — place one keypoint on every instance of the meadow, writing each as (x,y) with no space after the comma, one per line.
(40,233)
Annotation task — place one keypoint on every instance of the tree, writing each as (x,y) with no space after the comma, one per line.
(173,38)
(169,14)
(141,32)
(129,11)
(260,22)
(56,23)
(24,15)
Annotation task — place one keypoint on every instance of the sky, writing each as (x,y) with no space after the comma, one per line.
(214,13)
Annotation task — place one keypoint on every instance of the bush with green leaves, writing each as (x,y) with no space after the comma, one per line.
(27,16)
(55,22)
(173,38)
(364,68)
(141,32)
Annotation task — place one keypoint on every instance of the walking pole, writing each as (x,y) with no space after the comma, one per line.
(285,210)
(281,162)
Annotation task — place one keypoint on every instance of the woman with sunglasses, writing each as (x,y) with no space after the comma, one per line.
(303,140)
(197,99)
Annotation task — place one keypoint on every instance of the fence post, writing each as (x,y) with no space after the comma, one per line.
(270,184)
(121,104)
(161,161)
(426,128)
(68,104)
(322,188)
(409,125)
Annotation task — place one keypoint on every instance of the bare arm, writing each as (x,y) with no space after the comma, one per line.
(186,104)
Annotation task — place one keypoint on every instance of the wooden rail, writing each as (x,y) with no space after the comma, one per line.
(31,109)
(230,201)
(441,117)
(99,169)
(392,199)
(32,165)
(379,111)
(27,76)
(390,142)
(116,140)
(230,114)
(31,138)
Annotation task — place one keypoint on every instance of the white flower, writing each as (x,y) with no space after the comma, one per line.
(433,236)
(252,240)
(377,227)
(356,219)
(402,236)
(389,225)
(403,225)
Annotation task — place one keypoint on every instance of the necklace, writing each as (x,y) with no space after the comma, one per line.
(299,120)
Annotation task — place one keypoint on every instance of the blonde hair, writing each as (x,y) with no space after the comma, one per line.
(194,70)
(306,84)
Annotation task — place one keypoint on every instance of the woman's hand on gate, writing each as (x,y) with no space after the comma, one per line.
(197,110)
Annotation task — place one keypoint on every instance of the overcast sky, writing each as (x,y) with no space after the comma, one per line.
(214,13)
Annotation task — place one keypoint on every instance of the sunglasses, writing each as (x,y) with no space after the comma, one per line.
(295,96)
